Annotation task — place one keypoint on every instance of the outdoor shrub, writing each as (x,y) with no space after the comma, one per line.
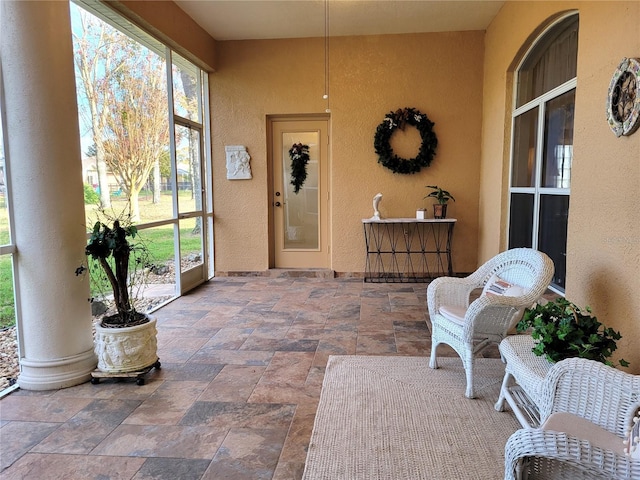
(91,197)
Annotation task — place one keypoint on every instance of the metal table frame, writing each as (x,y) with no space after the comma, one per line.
(407,249)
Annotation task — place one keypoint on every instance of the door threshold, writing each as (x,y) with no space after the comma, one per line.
(301,273)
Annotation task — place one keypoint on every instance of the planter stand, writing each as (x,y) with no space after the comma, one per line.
(96,375)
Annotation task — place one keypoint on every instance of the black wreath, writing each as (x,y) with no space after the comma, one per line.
(399,119)
(299,155)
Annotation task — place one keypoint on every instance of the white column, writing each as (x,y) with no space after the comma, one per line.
(54,316)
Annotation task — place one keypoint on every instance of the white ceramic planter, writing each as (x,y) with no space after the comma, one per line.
(129,349)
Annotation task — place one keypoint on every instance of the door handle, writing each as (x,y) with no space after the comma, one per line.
(277,204)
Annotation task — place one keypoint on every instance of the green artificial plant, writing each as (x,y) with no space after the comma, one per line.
(441,196)
(562,330)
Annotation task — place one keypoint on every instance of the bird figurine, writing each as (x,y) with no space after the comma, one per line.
(376,203)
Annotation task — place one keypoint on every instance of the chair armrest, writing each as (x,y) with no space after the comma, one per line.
(601,394)
(493,314)
(452,291)
(573,451)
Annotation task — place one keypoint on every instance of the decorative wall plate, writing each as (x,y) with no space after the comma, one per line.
(623,99)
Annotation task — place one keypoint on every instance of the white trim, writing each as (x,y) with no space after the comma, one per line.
(545,97)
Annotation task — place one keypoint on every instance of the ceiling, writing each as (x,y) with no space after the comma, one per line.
(268,19)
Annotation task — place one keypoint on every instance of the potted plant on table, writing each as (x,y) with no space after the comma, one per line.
(562,330)
(442,197)
(125,341)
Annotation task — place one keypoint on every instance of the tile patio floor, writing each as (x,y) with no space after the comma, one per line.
(243,361)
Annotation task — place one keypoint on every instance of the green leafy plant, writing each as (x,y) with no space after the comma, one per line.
(115,258)
(442,196)
(564,330)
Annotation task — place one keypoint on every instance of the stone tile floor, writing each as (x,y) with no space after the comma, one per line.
(243,361)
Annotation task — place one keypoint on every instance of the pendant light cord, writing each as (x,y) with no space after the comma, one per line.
(326,53)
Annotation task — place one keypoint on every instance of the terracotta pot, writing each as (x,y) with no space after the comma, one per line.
(128,349)
(439,210)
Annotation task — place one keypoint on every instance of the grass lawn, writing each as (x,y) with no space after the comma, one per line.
(159,240)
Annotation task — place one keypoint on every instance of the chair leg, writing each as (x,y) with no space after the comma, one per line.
(499,406)
(433,360)
(468,368)
(520,468)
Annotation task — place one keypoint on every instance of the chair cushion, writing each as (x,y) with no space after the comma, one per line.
(499,286)
(581,428)
(455,314)
(495,286)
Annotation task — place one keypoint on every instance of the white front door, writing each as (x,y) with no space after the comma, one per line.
(300,220)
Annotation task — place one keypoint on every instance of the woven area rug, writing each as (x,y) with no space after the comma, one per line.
(395,418)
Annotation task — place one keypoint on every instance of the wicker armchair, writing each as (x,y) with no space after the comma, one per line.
(468,327)
(586,412)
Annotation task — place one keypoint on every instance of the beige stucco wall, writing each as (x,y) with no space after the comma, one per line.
(438,74)
(463,82)
(169,23)
(603,254)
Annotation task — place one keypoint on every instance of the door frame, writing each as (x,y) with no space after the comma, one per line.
(271,119)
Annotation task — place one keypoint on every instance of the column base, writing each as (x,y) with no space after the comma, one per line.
(57,373)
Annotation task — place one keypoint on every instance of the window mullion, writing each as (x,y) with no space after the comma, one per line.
(538,173)
(551,94)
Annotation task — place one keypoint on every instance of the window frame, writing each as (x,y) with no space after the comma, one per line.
(161,48)
(540,103)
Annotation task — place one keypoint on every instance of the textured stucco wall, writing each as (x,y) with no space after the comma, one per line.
(603,255)
(171,24)
(463,82)
(438,74)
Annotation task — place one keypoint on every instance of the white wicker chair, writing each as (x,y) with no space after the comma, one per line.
(470,327)
(586,411)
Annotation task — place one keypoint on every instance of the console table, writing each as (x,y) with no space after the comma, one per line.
(407,249)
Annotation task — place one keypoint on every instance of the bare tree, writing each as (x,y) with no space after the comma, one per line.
(125,102)
(96,52)
(137,130)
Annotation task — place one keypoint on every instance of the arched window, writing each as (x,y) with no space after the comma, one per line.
(542,145)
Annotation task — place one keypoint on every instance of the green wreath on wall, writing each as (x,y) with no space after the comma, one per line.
(399,119)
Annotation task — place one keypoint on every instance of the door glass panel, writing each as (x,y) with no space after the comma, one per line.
(524,149)
(552,233)
(160,283)
(188,165)
(558,142)
(301,214)
(190,243)
(521,220)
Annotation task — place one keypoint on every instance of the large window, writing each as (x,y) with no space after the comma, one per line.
(542,146)
(143,120)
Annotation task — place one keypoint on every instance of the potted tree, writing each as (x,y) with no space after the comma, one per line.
(442,198)
(561,330)
(125,340)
